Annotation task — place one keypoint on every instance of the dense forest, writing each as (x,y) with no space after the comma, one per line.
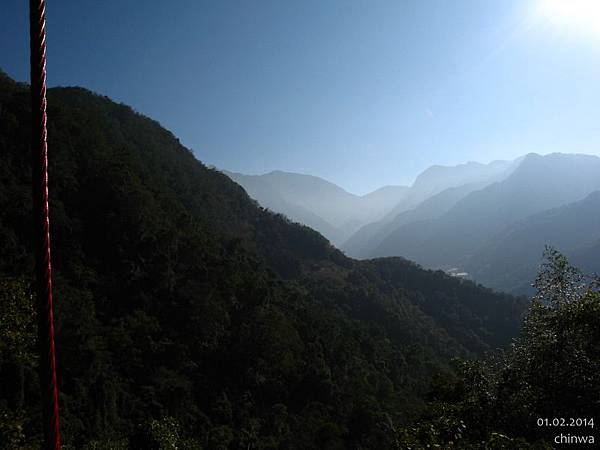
(189,317)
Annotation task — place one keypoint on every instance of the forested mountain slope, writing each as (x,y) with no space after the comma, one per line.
(259,189)
(588,257)
(539,183)
(510,260)
(366,242)
(435,191)
(358,224)
(179,300)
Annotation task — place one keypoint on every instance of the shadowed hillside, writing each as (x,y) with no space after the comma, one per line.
(509,260)
(181,303)
(464,234)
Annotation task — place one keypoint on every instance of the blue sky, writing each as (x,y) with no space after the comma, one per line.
(362,92)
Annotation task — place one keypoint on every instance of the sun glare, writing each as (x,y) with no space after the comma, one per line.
(582,16)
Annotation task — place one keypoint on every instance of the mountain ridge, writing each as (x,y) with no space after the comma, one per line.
(348,212)
(481,214)
(341,211)
(451,228)
(571,228)
(179,298)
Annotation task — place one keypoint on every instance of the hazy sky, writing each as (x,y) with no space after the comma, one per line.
(363,92)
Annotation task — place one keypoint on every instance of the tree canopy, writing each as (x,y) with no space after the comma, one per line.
(187,316)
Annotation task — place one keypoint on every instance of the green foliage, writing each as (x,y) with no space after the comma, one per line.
(558,282)
(189,317)
(106,444)
(166,433)
(162,434)
(552,370)
(17,363)
(17,323)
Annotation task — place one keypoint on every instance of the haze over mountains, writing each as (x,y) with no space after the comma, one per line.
(321,205)
(179,298)
(491,221)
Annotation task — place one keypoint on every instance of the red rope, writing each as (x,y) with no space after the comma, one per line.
(39,164)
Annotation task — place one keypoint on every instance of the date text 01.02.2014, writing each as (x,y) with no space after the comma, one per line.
(566,422)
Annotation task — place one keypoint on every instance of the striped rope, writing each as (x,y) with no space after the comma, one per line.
(39,163)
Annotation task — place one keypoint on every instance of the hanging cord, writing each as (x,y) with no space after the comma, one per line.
(39,164)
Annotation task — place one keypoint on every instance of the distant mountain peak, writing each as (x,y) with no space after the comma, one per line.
(468,172)
(317,202)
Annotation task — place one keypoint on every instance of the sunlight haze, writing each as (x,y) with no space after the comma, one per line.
(364,94)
